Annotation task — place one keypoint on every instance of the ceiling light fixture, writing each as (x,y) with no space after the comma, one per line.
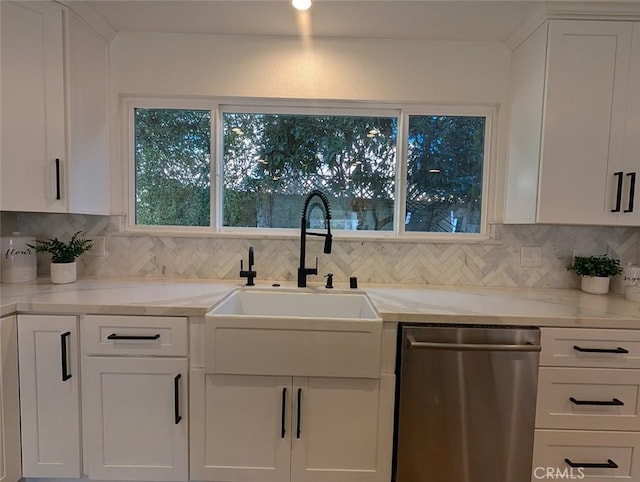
(301,4)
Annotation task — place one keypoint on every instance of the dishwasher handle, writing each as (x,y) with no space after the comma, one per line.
(412,343)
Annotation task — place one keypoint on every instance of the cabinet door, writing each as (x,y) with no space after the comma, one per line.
(135,418)
(342,429)
(583,132)
(528,64)
(240,429)
(49,398)
(33,123)
(10,461)
(88,158)
(632,139)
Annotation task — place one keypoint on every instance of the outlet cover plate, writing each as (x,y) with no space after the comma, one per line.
(531,256)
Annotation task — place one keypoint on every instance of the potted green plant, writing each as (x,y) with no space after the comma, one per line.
(63,256)
(595,272)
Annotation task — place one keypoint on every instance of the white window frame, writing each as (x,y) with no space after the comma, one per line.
(129,191)
(489,113)
(316,107)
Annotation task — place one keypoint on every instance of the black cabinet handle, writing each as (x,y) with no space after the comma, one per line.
(58,196)
(298,429)
(610,464)
(283,430)
(632,191)
(176,397)
(600,350)
(63,356)
(620,176)
(614,402)
(114,336)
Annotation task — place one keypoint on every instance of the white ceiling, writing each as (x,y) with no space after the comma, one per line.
(398,19)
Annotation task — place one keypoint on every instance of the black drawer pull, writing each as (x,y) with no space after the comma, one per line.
(620,176)
(632,191)
(610,464)
(283,424)
(58,195)
(600,350)
(114,336)
(298,427)
(176,397)
(63,356)
(614,402)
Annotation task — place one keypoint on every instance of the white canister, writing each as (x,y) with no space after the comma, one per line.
(631,282)
(18,261)
(631,275)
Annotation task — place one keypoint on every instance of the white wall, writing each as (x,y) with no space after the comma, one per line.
(353,69)
(385,70)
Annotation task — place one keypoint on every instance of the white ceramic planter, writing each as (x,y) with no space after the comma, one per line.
(62,273)
(595,285)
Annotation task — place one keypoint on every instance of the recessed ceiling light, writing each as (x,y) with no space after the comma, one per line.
(301,4)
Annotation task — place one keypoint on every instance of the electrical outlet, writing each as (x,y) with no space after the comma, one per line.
(531,256)
(99,246)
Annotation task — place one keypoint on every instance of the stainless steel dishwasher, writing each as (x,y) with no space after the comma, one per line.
(466,403)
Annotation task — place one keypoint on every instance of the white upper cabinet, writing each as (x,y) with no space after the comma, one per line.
(87,91)
(569,99)
(54,111)
(632,136)
(33,130)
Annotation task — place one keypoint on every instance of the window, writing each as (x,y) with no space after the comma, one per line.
(445,159)
(387,172)
(272,161)
(172,167)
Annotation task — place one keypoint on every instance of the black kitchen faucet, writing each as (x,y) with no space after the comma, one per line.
(250,274)
(302,270)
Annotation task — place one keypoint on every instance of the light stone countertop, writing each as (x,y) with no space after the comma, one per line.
(410,303)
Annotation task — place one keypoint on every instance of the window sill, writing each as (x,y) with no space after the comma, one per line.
(288,234)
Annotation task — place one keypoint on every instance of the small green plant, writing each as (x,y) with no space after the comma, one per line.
(600,265)
(62,252)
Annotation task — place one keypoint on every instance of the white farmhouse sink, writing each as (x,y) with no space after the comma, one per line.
(299,304)
(298,333)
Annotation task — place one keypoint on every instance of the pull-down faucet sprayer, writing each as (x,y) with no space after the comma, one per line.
(302,270)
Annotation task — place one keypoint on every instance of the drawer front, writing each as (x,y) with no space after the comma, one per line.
(582,347)
(135,335)
(588,398)
(554,450)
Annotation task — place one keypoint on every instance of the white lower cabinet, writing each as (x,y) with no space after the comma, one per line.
(135,418)
(10,460)
(240,427)
(49,395)
(588,406)
(341,431)
(278,429)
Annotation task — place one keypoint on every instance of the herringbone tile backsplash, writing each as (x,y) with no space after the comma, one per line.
(491,263)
